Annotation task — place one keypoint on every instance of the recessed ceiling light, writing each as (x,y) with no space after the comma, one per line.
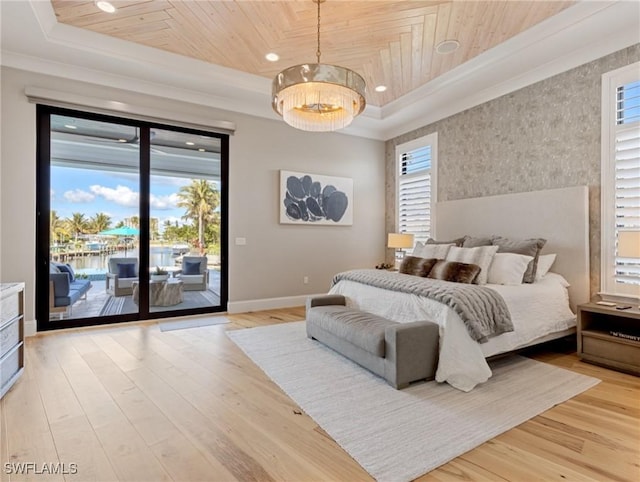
(69,126)
(122,140)
(381,88)
(447,46)
(272,57)
(201,150)
(105,6)
(189,143)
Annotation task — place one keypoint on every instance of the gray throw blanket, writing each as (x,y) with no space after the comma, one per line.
(483,311)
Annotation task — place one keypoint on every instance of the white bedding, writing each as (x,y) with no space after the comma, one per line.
(537,309)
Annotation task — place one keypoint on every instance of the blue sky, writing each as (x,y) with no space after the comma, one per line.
(113,193)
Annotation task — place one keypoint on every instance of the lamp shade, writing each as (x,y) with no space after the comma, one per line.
(399,240)
(629,244)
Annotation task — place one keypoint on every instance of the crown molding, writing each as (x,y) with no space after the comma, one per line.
(33,40)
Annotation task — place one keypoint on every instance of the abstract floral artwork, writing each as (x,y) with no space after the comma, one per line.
(315,199)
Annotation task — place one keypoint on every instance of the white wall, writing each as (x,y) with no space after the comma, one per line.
(276,257)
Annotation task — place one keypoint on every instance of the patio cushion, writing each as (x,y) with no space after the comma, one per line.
(191,268)
(66,268)
(189,279)
(126,270)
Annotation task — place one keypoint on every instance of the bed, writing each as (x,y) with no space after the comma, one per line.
(540,311)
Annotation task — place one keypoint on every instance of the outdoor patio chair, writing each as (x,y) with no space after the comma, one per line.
(194,273)
(121,275)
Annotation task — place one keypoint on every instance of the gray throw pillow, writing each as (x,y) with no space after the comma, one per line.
(417,266)
(458,241)
(454,271)
(528,247)
(471,242)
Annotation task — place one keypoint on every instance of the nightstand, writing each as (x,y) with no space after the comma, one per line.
(597,344)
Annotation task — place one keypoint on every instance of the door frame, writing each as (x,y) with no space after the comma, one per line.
(43,210)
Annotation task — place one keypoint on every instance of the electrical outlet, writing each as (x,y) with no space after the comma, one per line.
(305,280)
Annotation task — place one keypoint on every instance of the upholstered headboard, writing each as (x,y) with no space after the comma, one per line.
(561,216)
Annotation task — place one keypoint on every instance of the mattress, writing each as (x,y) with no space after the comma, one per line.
(537,310)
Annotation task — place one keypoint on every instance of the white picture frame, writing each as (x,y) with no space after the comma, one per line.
(315,199)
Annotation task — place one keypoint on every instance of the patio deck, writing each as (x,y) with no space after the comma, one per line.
(97,298)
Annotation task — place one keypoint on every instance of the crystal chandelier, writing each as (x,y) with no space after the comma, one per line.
(318,97)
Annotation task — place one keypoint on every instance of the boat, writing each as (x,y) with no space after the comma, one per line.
(95,246)
(180,248)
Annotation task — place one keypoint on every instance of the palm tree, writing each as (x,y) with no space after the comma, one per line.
(56,227)
(76,224)
(100,222)
(201,199)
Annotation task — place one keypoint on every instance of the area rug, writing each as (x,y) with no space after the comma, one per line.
(192,323)
(398,435)
(116,305)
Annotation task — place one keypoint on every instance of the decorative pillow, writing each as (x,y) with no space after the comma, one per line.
(191,267)
(66,268)
(528,247)
(53,268)
(457,241)
(417,266)
(508,268)
(438,251)
(545,261)
(417,248)
(126,270)
(454,271)
(481,256)
(471,242)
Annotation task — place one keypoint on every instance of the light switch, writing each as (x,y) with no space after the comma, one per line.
(241,241)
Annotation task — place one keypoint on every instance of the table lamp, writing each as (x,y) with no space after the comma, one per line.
(399,242)
(629,244)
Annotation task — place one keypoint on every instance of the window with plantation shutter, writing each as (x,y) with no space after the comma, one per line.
(621,182)
(416,163)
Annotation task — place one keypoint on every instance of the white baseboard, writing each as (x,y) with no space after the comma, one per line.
(30,328)
(267,303)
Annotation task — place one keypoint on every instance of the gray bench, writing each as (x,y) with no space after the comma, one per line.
(400,353)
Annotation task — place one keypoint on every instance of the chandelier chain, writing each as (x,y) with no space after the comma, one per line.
(318,51)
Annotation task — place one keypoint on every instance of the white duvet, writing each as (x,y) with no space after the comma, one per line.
(537,310)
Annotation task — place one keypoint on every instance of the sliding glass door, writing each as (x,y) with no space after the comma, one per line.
(131,220)
(185,221)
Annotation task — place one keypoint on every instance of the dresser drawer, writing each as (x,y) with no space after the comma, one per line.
(9,336)
(9,308)
(10,365)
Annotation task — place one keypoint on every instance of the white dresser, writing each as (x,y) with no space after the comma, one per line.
(11,334)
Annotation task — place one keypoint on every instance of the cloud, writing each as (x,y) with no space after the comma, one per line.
(120,195)
(78,196)
(163,202)
(169,181)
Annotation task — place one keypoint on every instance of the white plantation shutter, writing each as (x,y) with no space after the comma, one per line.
(416,191)
(627,176)
(620,177)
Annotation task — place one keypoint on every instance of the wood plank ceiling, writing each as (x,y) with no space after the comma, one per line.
(389,43)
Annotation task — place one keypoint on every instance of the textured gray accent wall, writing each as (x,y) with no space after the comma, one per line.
(544,136)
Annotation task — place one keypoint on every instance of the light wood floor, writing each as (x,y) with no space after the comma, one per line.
(132,403)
